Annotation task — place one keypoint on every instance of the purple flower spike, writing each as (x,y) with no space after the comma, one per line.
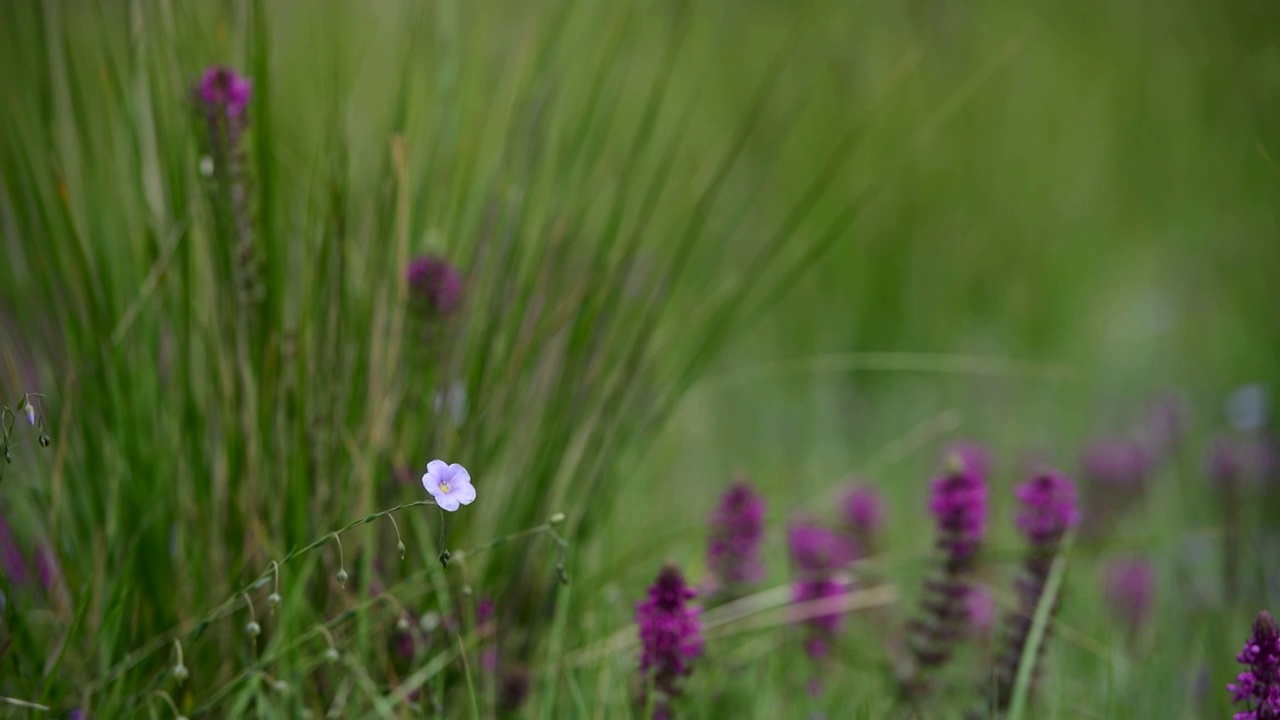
(815,549)
(223,89)
(863,510)
(1049,508)
(434,284)
(1129,588)
(1121,464)
(982,611)
(670,636)
(826,623)
(736,530)
(1259,687)
(959,502)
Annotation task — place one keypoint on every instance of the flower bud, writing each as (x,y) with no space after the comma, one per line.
(331,655)
(401,548)
(253,629)
(444,559)
(556,519)
(273,599)
(429,621)
(402,625)
(180,672)
(280,686)
(30,412)
(342,577)
(44,440)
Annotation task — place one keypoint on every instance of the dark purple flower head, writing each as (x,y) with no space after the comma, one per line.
(12,562)
(1226,462)
(818,549)
(434,284)
(1129,588)
(223,90)
(863,510)
(1119,463)
(736,530)
(670,631)
(959,503)
(484,611)
(1049,507)
(1259,687)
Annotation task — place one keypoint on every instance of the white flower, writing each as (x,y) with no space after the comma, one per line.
(450,485)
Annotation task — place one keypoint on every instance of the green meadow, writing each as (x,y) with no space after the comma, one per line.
(807,244)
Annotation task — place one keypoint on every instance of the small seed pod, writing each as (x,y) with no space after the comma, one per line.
(444,559)
(401,548)
(402,625)
(561,574)
(273,599)
(253,628)
(331,655)
(429,621)
(180,672)
(343,577)
(556,519)
(280,686)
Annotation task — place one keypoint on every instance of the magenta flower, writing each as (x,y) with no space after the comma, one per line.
(973,457)
(222,89)
(824,623)
(863,511)
(449,485)
(670,636)
(1049,508)
(959,504)
(815,549)
(1129,588)
(434,284)
(1048,512)
(1259,687)
(736,530)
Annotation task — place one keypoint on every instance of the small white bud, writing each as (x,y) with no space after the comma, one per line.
(280,686)
(331,655)
(206,166)
(402,625)
(30,412)
(180,672)
(556,519)
(401,548)
(342,577)
(253,629)
(273,599)
(429,621)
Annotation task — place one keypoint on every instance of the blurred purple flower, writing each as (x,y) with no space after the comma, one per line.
(513,688)
(47,568)
(736,530)
(1166,423)
(972,457)
(12,561)
(1129,588)
(825,623)
(1116,463)
(981,606)
(670,635)
(1049,507)
(449,485)
(434,284)
(863,510)
(222,89)
(484,611)
(816,549)
(959,505)
(1259,687)
(1048,511)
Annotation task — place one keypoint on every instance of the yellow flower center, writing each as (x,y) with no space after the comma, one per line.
(444,487)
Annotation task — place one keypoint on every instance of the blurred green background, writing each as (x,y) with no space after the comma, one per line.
(803,241)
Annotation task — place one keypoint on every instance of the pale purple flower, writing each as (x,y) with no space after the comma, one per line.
(981,606)
(449,485)
(816,549)
(1121,464)
(1129,587)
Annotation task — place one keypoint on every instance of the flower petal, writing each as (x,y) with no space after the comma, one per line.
(459,474)
(436,466)
(465,492)
(431,482)
(447,502)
